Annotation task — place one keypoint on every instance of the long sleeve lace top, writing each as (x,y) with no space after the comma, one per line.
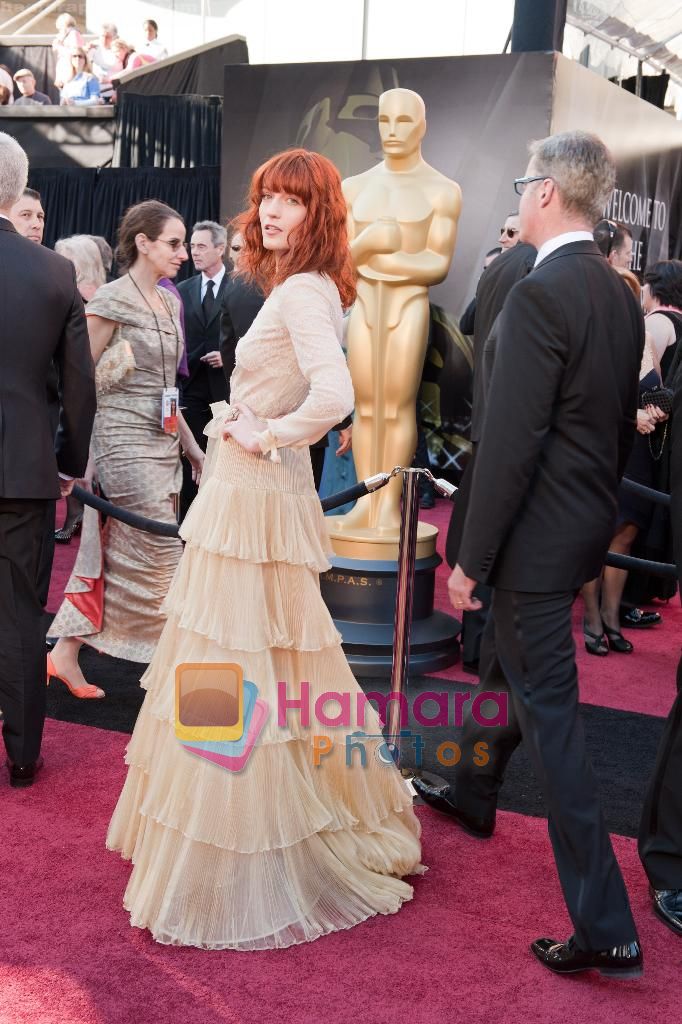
(290,368)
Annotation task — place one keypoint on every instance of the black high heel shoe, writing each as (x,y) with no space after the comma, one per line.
(594,643)
(67,533)
(617,641)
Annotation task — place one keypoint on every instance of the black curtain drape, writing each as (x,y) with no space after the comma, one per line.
(39,59)
(168,131)
(92,202)
(654,88)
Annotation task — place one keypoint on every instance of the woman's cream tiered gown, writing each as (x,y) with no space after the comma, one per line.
(283,851)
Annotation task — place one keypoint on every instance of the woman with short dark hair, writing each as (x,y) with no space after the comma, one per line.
(662,305)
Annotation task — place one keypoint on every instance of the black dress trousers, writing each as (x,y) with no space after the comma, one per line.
(528,653)
(22,633)
(660,831)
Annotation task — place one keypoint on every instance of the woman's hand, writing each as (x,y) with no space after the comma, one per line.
(645,423)
(345,440)
(656,414)
(245,428)
(195,457)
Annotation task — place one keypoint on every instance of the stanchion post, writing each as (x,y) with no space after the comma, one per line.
(407,551)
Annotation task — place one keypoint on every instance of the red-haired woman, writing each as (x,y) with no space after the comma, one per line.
(314,834)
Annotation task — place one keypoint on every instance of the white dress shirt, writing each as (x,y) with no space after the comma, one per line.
(217,278)
(555,243)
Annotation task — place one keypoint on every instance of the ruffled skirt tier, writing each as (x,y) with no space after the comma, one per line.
(305,839)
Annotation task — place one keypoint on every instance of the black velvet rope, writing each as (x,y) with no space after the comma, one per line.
(658,497)
(170,529)
(138,522)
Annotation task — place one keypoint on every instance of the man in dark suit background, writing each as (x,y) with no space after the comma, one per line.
(202,297)
(660,832)
(561,392)
(42,320)
(495,283)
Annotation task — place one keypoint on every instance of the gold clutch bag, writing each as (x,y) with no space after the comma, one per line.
(114,363)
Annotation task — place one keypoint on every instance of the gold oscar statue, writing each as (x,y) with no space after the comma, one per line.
(402,217)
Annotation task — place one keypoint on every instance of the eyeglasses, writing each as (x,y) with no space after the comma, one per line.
(174,243)
(520,183)
(509,232)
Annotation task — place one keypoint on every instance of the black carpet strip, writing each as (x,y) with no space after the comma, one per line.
(622,744)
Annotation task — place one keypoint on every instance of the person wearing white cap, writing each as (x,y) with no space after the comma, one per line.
(26,84)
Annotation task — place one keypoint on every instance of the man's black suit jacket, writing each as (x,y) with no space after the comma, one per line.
(241,304)
(561,405)
(204,384)
(494,286)
(42,319)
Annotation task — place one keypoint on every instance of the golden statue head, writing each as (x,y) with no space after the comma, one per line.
(402,122)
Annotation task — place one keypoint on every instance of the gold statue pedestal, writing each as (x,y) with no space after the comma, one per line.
(376,544)
(360,593)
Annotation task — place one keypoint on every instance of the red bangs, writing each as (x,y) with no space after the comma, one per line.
(320,243)
(289,172)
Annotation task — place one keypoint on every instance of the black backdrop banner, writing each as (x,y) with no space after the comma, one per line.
(88,201)
(168,131)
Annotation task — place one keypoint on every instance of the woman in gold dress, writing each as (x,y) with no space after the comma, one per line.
(290,845)
(121,576)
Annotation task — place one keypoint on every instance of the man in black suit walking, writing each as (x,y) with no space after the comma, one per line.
(202,297)
(561,391)
(42,320)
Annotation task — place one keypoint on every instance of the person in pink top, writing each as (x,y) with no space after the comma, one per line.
(68,38)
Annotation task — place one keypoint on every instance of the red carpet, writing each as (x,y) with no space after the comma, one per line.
(458,952)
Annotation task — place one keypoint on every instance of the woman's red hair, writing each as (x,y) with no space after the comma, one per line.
(320,243)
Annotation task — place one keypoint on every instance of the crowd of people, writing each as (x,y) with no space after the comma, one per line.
(238,374)
(85,75)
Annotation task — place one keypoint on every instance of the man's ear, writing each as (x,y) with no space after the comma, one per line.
(547,191)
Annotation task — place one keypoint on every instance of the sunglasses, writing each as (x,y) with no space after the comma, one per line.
(174,243)
(509,232)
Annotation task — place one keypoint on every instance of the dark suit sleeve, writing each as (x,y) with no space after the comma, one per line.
(467,321)
(77,400)
(676,471)
(529,363)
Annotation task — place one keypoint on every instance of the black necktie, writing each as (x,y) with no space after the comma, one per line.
(209,301)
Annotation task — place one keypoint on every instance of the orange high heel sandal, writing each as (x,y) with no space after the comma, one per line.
(87,692)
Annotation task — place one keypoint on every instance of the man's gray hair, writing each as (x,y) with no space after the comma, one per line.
(13,171)
(218,232)
(582,169)
(109,29)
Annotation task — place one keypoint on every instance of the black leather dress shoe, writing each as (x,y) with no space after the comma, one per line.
(624,961)
(22,775)
(635,618)
(668,906)
(480,828)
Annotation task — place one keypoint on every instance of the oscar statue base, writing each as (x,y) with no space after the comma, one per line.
(360,595)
